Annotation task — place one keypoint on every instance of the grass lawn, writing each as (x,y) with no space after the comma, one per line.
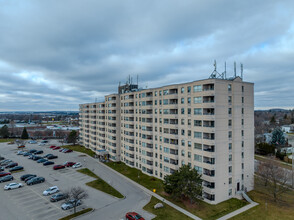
(267,208)
(76,214)
(80,148)
(2,140)
(201,209)
(100,184)
(165,213)
(282,163)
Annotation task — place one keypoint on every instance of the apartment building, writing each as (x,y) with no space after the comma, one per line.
(208,124)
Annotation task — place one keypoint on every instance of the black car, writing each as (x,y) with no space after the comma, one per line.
(16,168)
(39,152)
(29,178)
(52,157)
(27,154)
(42,160)
(23,177)
(1,168)
(47,155)
(6,178)
(2,158)
(10,165)
(35,180)
(48,163)
(32,151)
(57,197)
(5,162)
(37,157)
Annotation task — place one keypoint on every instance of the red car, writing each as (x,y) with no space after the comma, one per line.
(57,167)
(52,146)
(4,174)
(69,164)
(55,148)
(134,216)
(67,151)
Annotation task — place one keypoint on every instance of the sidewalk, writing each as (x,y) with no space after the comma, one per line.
(237,212)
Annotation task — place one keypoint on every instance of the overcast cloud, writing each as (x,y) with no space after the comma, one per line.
(57,54)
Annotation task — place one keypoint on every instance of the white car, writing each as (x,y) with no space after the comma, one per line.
(70,204)
(77,165)
(51,190)
(12,186)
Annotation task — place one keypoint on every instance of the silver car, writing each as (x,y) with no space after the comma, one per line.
(70,204)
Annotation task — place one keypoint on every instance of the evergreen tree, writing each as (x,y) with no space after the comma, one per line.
(273,120)
(72,137)
(24,134)
(278,137)
(4,132)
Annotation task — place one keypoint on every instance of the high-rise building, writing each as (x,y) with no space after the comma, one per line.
(207,124)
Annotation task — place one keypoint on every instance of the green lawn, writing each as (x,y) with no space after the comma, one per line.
(100,184)
(165,213)
(76,214)
(267,208)
(80,148)
(2,140)
(200,209)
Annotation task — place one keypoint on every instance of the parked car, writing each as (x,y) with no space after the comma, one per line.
(52,157)
(12,186)
(20,152)
(5,162)
(39,152)
(27,154)
(35,180)
(57,197)
(70,204)
(51,190)
(42,144)
(55,148)
(32,151)
(42,160)
(61,149)
(23,177)
(47,155)
(16,168)
(21,146)
(134,216)
(32,142)
(48,163)
(37,157)
(67,151)
(57,167)
(10,165)
(6,178)
(29,178)
(1,168)
(4,174)
(77,165)
(69,164)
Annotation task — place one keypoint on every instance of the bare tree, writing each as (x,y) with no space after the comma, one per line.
(75,195)
(273,177)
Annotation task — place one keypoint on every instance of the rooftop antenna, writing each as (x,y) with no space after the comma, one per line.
(242,71)
(235,74)
(215,74)
(137,79)
(224,74)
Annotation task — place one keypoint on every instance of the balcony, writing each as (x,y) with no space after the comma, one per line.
(208,111)
(208,148)
(208,160)
(208,99)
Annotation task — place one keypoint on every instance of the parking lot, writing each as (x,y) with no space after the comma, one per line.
(28,202)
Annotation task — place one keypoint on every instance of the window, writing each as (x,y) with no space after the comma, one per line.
(182,121)
(182,90)
(199,169)
(189,133)
(230,169)
(182,100)
(242,121)
(166,159)
(189,154)
(189,143)
(230,134)
(242,166)
(189,111)
(160,93)
(183,142)
(230,180)
(242,111)
(183,153)
(230,122)
(230,146)
(197,123)
(166,150)
(166,169)
(182,132)
(197,88)
(189,121)
(242,100)
(182,111)
(197,111)
(189,100)
(189,89)
(242,155)
(165,101)
(230,192)
(155,94)
(197,157)
(242,88)
(165,92)
(230,99)
(230,157)
(197,134)
(242,133)
(197,146)
(229,87)
(197,99)
(229,111)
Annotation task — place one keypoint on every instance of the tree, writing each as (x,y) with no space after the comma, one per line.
(185,182)
(273,120)
(72,137)
(273,177)
(278,137)
(24,134)
(4,132)
(74,195)
(265,148)
(280,155)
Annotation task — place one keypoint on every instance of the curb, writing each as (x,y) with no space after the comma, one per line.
(84,214)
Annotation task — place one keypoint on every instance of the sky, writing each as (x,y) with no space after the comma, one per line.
(55,55)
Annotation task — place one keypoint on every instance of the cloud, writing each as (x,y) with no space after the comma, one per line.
(57,54)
